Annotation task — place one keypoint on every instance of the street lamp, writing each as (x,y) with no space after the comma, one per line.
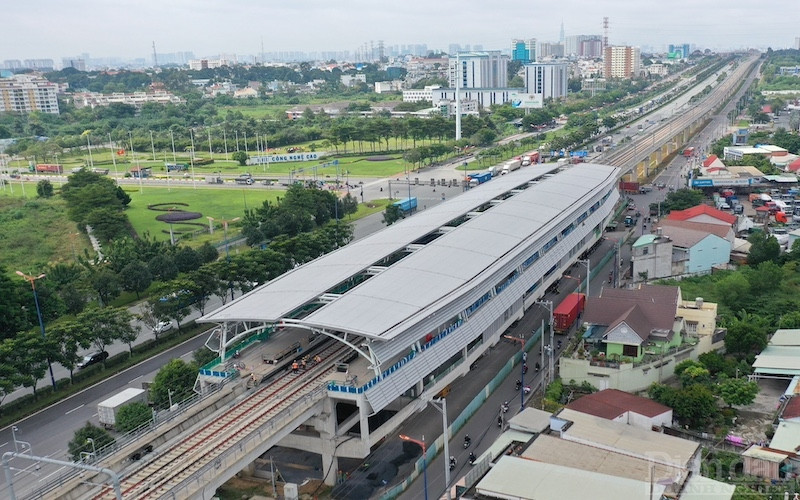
(424,460)
(94,450)
(32,280)
(225,229)
(445,434)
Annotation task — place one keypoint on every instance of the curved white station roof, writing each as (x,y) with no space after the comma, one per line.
(406,291)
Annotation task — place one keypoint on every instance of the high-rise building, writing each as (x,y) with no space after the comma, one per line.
(38,64)
(547,79)
(621,61)
(12,64)
(73,62)
(523,50)
(479,70)
(27,93)
(550,49)
(583,46)
(681,51)
(797,42)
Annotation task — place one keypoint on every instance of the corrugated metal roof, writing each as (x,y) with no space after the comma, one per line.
(430,274)
(703,488)
(787,437)
(762,454)
(518,478)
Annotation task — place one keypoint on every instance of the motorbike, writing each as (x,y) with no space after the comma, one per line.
(472,458)
(504,407)
(517,385)
(537,367)
(499,421)
(452,462)
(524,368)
(526,389)
(467,441)
(559,344)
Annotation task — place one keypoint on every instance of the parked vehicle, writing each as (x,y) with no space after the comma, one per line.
(162,326)
(407,205)
(107,410)
(510,166)
(567,312)
(244,179)
(476,179)
(93,358)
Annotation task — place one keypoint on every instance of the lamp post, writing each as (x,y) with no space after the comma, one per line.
(549,305)
(424,460)
(32,280)
(225,230)
(14,430)
(445,434)
(94,450)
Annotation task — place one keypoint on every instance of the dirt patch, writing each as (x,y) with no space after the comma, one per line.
(753,420)
(246,488)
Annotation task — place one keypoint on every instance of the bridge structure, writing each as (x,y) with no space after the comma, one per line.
(639,158)
(384,324)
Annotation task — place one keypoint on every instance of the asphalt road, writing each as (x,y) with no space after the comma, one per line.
(49,431)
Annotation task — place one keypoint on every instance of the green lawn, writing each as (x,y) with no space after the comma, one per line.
(36,232)
(217,203)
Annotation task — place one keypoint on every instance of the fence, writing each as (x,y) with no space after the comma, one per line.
(461,420)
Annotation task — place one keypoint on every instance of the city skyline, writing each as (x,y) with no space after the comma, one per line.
(128,28)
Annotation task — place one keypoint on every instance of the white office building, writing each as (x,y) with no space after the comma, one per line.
(417,95)
(479,70)
(547,79)
(28,93)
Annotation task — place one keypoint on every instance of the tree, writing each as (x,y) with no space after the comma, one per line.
(163,267)
(737,391)
(207,253)
(763,247)
(174,381)
(132,416)
(68,335)
(733,291)
(695,404)
(392,214)
(44,189)
(202,284)
(106,284)
(105,325)
(80,442)
(747,334)
(135,277)
(241,157)
(679,200)
(187,259)
(28,354)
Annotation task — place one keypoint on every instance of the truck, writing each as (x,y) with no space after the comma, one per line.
(629,187)
(688,152)
(407,205)
(244,179)
(475,179)
(49,168)
(107,410)
(179,167)
(510,166)
(567,312)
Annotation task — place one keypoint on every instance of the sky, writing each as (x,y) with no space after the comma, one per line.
(127,28)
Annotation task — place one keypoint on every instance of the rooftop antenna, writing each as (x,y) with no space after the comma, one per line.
(155,57)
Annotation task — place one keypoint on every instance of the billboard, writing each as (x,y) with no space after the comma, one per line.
(260,160)
(525,101)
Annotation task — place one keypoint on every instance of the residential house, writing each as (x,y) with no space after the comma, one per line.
(624,407)
(635,337)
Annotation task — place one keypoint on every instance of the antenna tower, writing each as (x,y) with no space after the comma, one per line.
(155,57)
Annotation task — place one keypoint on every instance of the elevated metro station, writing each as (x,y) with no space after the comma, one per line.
(415,304)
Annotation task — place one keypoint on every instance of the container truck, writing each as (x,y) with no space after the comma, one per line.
(107,410)
(688,152)
(629,187)
(510,166)
(475,179)
(407,205)
(50,168)
(567,312)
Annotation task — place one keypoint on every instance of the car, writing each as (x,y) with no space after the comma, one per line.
(93,358)
(162,326)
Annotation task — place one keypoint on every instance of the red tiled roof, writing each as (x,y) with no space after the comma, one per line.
(792,409)
(794,166)
(766,108)
(645,309)
(690,213)
(709,160)
(611,403)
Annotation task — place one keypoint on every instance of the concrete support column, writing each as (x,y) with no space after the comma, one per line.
(249,471)
(327,434)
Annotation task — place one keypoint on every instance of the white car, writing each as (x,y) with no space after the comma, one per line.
(162,326)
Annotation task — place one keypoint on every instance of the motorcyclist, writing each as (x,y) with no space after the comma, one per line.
(472,458)
(537,366)
(452,462)
(467,441)
(517,384)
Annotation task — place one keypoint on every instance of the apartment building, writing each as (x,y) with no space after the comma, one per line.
(547,79)
(28,93)
(622,61)
(479,70)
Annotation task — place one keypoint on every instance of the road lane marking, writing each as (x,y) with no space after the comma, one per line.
(74,409)
(134,380)
(2,445)
(187,354)
(52,473)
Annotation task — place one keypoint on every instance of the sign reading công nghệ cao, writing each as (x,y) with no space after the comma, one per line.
(282,158)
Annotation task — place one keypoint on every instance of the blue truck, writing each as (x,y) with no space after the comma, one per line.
(475,179)
(407,205)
